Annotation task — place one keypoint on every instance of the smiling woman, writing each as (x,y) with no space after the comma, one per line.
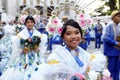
(71,54)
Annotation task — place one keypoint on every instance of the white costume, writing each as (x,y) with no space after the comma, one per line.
(6,46)
(62,55)
(51,72)
(43,45)
(17,63)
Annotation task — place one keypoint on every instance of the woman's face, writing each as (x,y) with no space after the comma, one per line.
(72,37)
(29,24)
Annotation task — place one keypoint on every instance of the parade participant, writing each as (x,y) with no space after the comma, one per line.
(85,40)
(55,72)
(28,48)
(71,54)
(111,41)
(98,33)
(6,45)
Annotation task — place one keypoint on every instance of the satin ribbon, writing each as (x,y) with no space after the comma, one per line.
(78,61)
(30,33)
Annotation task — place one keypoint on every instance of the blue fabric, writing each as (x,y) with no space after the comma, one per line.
(41,25)
(0,73)
(83,45)
(96,31)
(87,36)
(111,51)
(30,33)
(79,62)
(55,40)
(113,67)
(97,37)
(109,42)
(0,56)
(98,42)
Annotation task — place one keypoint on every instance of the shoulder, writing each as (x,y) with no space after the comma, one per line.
(36,33)
(19,35)
(109,25)
(44,35)
(84,52)
(59,48)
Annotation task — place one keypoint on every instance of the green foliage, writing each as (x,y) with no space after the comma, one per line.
(111,4)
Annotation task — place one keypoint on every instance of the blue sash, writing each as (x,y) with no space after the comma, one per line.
(78,61)
(30,33)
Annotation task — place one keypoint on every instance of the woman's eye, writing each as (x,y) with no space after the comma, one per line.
(77,32)
(67,33)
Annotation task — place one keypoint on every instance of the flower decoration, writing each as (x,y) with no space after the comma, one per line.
(60,30)
(82,23)
(93,75)
(22,18)
(51,29)
(35,41)
(36,17)
(30,43)
(81,16)
(55,21)
(77,76)
(84,20)
(18,28)
(54,26)
(106,75)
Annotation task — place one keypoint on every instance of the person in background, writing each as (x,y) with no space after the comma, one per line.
(83,42)
(98,33)
(26,53)
(71,54)
(111,42)
(88,35)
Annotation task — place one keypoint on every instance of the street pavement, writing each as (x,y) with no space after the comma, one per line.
(91,48)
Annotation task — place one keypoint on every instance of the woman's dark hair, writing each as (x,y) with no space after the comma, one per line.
(29,18)
(72,23)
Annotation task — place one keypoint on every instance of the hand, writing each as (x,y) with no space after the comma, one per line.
(119,44)
(29,39)
(25,50)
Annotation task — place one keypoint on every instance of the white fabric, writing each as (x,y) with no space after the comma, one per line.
(99,62)
(9,30)
(13,69)
(43,47)
(43,44)
(51,72)
(62,55)
(25,34)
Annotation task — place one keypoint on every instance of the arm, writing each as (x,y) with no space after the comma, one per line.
(43,44)
(109,36)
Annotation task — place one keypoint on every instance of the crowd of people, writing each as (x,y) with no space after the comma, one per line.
(24,47)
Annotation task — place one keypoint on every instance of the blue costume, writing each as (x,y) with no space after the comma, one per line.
(83,45)
(88,36)
(111,50)
(98,33)
(86,40)
(55,40)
